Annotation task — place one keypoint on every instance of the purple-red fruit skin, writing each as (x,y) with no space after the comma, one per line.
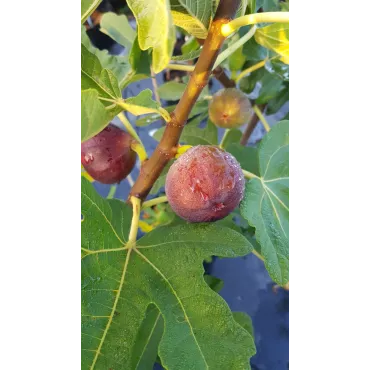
(205,184)
(108,157)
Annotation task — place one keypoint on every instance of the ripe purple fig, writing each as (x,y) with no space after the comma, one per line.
(108,157)
(230,108)
(205,184)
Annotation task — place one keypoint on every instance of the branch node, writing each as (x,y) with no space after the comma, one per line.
(166,153)
(174,122)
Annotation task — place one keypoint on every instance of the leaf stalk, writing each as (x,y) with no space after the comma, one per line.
(126,123)
(249,175)
(154,202)
(136,202)
(268,17)
(262,118)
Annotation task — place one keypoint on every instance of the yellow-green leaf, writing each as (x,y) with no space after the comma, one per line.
(94,116)
(193,16)
(275,37)
(118,28)
(87,7)
(118,64)
(189,24)
(155,29)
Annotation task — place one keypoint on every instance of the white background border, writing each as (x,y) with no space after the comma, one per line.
(40,185)
(329,181)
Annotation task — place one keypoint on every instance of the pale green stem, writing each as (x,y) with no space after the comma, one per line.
(139,149)
(250,70)
(258,255)
(222,143)
(126,79)
(254,68)
(129,127)
(207,97)
(181,67)
(154,202)
(155,86)
(106,99)
(130,180)
(135,220)
(112,191)
(262,118)
(249,175)
(226,53)
(139,146)
(269,17)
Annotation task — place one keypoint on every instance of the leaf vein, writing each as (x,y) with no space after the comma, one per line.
(113,309)
(105,217)
(268,163)
(277,198)
(177,297)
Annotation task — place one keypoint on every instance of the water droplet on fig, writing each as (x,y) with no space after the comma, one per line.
(88,157)
(218,207)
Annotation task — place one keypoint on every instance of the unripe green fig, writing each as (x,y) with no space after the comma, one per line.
(107,157)
(230,108)
(205,184)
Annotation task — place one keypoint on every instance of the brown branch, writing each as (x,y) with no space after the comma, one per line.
(251,126)
(222,77)
(167,147)
(219,72)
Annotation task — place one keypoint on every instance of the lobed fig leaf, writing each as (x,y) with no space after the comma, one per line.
(266,202)
(164,269)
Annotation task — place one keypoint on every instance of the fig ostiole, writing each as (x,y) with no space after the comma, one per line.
(230,108)
(205,184)
(107,157)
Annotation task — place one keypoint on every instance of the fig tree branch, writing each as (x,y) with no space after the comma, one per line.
(223,78)
(219,73)
(251,126)
(167,147)
(222,56)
